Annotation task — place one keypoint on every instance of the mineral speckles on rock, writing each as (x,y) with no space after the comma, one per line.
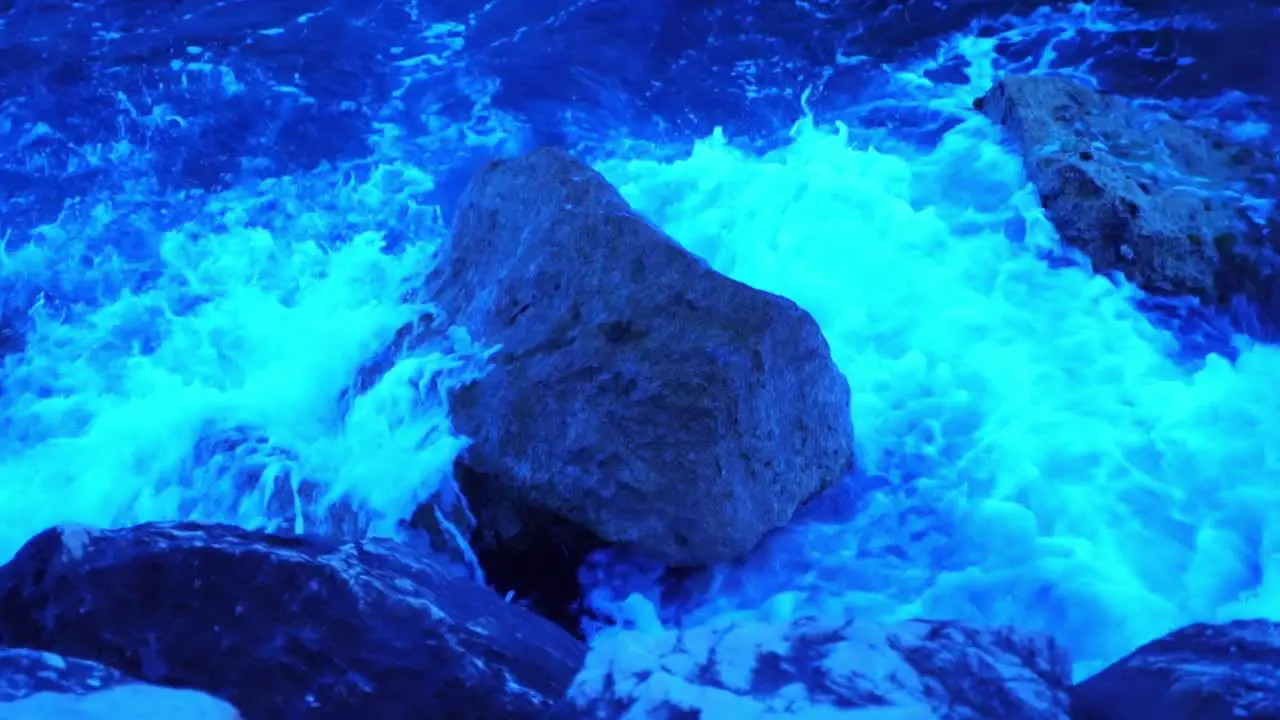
(638,394)
(285,627)
(1144,194)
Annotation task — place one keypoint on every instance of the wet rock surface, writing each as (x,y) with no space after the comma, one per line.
(838,667)
(1200,672)
(284,627)
(1177,209)
(37,685)
(831,668)
(210,622)
(637,394)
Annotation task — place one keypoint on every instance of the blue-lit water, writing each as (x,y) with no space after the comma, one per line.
(214,212)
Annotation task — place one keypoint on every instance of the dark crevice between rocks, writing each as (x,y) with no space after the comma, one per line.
(538,563)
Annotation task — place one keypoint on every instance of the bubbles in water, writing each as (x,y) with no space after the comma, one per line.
(1038,446)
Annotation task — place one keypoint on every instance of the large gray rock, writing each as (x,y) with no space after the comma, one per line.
(638,394)
(285,628)
(826,669)
(1228,671)
(37,685)
(1143,194)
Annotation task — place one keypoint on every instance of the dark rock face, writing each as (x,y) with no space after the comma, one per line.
(637,394)
(823,668)
(24,673)
(1229,671)
(1145,195)
(38,685)
(284,627)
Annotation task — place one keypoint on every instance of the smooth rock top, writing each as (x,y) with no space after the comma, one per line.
(1165,203)
(825,669)
(638,393)
(1228,671)
(284,627)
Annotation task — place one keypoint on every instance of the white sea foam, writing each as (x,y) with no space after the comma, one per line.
(1032,453)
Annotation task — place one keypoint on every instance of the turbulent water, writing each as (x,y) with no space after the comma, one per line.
(214,212)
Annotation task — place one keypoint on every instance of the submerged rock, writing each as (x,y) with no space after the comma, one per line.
(1165,203)
(1228,671)
(637,394)
(284,627)
(823,669)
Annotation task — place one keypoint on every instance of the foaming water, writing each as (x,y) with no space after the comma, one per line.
(1034,450)
(196,285)
(256,312)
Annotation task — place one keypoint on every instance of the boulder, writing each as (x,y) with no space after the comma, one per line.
(822,670)
(1228,671)
(637,394)
(1165,203)
(284,627)
(37,685)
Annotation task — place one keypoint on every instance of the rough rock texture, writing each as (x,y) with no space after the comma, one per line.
(37,685)
(638,393)
(284,627)
(1229,671)
(838,668)
(1140,193)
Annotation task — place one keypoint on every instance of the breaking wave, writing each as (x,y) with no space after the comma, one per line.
(192,274)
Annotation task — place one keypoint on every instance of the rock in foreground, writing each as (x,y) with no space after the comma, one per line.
(284,627)
(38,685)
(638,394)
(1201,672)
(1145,195)
(823,670)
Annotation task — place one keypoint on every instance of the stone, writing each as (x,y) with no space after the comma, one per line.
(822,669)
(284,627)
(1206,671)
(1163,202)
(37,685)
(637,393)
